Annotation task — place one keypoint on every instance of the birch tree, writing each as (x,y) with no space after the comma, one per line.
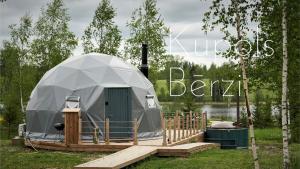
(147,26)
(102,35)
(285,61)
(53,40)
(13,75)
(270,23)
(235,14)
(284,88)
(20,39)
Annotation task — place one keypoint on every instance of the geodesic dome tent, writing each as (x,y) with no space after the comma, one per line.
(107,87)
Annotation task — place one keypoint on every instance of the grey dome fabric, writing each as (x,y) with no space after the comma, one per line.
(87,76)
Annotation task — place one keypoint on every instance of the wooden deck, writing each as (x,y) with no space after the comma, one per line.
(185,150)
(112,147)
(136,153)
(127,153)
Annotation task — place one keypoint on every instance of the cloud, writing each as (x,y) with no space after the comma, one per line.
(188,11)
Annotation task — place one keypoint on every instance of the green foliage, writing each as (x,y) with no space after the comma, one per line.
(271,29)
(293,67)
(29,53)
(147,26)
(20,37)
(162,94)
(16,73)
(267,109)
(243,118)
(263,111)
(258,116)
(232,18)
(10,88)
(53,41)
(189,97)
(102,35)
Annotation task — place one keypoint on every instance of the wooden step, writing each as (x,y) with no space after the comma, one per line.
(185,149)
(121,158)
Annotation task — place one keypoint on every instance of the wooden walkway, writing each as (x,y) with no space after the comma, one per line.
(134,154)
(120,159)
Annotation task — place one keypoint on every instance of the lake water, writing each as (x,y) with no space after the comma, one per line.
(228,111)
(221,110)
(216,111)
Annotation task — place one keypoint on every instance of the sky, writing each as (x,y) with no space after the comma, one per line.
(184,18)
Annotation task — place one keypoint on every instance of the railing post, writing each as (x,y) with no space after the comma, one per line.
(191,123)
(205,121)
(162,117)
(169,131)
(107,131)
(200,118)
(178,127)
(187,125)
(197,122)
(174,127)
(194,123)
(203,125)
(183,127)
(135,129)
(164,131)
(95,135)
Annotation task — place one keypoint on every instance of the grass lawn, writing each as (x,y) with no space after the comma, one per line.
(270,157)
(14,157)
(269,142)
(269,149)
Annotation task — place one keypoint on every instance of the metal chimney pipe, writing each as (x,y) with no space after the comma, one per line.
(144,66)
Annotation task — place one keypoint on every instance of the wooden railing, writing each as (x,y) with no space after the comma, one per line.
(133,131)
(176,126)
(180,126)
(111,131)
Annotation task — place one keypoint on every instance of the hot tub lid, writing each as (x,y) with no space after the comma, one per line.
(222,125)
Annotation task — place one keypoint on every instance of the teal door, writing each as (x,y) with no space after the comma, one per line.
(118,110)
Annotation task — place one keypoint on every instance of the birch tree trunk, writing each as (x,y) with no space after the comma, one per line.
(20,90)
(245,86)
(21,78)
(284,89)
(288,119)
